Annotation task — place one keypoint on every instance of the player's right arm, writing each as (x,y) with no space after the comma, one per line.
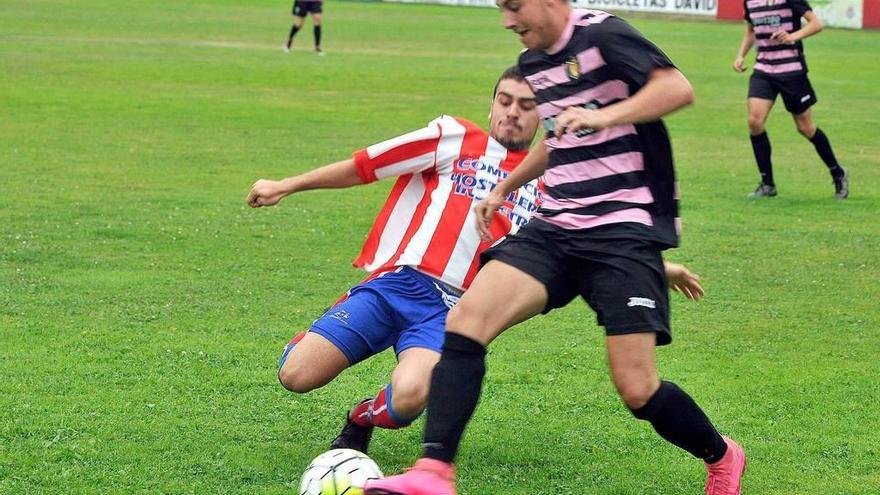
(335,175)
(532,167)
(410,153)
(744,47)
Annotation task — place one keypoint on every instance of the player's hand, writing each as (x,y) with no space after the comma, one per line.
(739,64)
(485,210)
(683,281)
(784,37)
(266,193)
(573,119)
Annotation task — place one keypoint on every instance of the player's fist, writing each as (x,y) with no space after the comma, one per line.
(574,119)
(739,64)
(485,210)
(266,193)
(784,37)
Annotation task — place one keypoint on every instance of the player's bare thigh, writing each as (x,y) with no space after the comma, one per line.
(411,379)
(499,297)
(759,109)
(316,18)
(313,363)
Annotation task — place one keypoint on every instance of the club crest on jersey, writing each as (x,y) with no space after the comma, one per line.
(573,68)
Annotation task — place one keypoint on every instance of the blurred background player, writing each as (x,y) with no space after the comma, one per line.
(421,252)
(780,68)
(302,8)
(609,210)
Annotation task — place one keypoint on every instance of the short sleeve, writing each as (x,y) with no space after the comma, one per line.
(410,153)
(800,7)
(627,51)
(746,15)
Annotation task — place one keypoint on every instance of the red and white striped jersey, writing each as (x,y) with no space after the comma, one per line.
(427,221)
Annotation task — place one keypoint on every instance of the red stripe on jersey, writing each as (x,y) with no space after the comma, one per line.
(371,245)
(367,166)
(444,240)
(431,181)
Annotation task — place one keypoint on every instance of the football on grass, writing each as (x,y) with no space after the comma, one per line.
(338,472)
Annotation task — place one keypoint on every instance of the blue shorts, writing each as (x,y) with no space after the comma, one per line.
(403,308)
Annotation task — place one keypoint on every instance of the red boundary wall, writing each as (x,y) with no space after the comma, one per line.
(732,10)
(871,14)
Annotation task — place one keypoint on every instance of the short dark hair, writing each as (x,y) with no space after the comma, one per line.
(511,72)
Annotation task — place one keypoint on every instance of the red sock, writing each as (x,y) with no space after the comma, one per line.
(378,412)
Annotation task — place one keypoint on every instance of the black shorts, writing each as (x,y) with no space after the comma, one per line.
(302,9)
(623,280)
(797,92)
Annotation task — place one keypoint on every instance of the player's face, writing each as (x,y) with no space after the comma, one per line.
(530,20)
(514,117)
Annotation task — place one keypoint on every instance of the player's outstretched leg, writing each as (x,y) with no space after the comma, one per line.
(396,405)
(672,412)
(499,297)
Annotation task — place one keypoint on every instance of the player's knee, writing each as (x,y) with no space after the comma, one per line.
(636,393)
(756,124)
(296,378)
(409,397)
(807,129)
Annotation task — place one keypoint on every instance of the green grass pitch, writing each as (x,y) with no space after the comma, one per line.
(143,306)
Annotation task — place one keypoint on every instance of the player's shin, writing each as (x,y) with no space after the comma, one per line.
(455,390)
(679,420)
(380,412)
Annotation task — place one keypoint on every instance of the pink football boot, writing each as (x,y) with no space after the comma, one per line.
(725,476)
(427,477)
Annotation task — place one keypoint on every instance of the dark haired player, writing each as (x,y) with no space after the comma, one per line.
(302,8)
(780,68)
(610,208)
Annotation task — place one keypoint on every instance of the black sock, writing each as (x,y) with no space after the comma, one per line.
(293,30)
(317,37)
(823,148)
(678,419)
(452,399)
(761,147)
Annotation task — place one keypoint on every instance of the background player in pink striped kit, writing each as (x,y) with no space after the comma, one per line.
(774,26)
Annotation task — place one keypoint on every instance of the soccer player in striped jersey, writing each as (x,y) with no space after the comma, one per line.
(774,26)
(609,210)
(422,251)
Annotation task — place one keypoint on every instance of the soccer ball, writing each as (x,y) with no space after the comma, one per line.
(339,472)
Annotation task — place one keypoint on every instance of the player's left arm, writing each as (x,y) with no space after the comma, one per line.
(813,26)
(659,88)
(683,281)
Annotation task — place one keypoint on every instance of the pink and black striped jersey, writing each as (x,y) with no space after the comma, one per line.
(768,16)
(618,182)
(427,221)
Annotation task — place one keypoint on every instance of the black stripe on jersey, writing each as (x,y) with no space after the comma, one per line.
(768,8)
(616,146)
(779,47)
(574,86)
(602,208)
(595,187)
(781,61)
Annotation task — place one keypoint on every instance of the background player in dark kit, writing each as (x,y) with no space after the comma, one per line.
(302,8)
